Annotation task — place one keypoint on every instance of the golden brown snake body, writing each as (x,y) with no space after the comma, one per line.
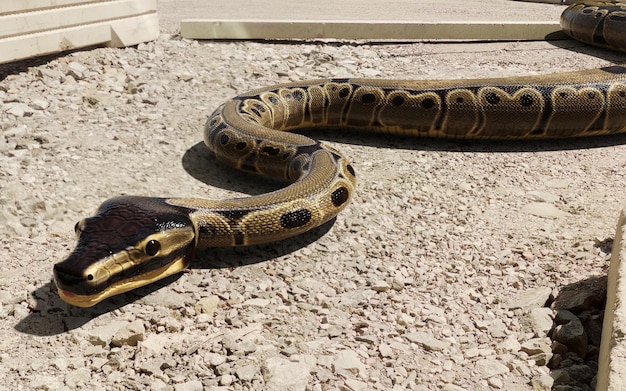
(133,241)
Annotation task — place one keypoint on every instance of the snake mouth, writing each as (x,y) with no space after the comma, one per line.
(80,300)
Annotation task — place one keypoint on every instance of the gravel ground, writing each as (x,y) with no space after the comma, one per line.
(423,283)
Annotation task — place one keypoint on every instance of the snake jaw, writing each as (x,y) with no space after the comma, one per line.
(89,300)
(129,243)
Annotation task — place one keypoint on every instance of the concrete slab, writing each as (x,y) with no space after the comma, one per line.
(38,27)
(395,10)
(367,30)
(612,368)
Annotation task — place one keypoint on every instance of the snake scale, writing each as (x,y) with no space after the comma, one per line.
(133,241)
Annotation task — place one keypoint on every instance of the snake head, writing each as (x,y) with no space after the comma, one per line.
(130,242)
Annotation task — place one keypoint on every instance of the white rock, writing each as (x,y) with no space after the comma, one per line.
(540,320)
(495,382)
(43,382)
(76,70)
(39,104)
(281,374)
(542,382)
(426,341)
(535,346)
(78,377)
(258,302)
(158,385)
(348,360)
(452,387)
(102,335)
(167,299)
(130,334)
(381,286)
(541,196)
(214,359)
(510,344)
(154,344)
(355,385)
(207,305)
(194,385)
(385,350)
(226,379)
(544,209)
(532,298)
(19,109)
(488,367)
(247,373)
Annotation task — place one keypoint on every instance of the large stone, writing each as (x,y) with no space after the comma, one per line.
(284,375)
(542,382)
(540,321)
(573,375)
(130,334)
(348,360)
(102,335)
(247,373)
(426,341)
(572,334)
(580,300)
(194,385)
(490,367)
(207,305)
(535,346)
(532,298)
(544,209)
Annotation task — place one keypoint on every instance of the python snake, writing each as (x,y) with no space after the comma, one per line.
(133,241)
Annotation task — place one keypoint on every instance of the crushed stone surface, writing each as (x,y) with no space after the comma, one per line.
(417,285)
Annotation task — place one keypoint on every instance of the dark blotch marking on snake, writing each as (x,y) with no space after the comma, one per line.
(296,218)
(397,100)
(428,103)
(526,100)
(492,98)
(340,196)
(271,151)
(207,231)
(368,98)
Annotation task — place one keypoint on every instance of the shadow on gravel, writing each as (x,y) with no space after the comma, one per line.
(613,56)
(15,67)
(200,163)
(376,140)
(52,316)
(576,333)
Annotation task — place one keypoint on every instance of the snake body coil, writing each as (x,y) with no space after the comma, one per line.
(133,241)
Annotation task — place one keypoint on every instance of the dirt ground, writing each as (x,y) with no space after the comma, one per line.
(408,289)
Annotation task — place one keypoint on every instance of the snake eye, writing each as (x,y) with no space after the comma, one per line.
(152,248)
(78,229)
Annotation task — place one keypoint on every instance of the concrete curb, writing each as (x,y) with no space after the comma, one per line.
(612,363)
